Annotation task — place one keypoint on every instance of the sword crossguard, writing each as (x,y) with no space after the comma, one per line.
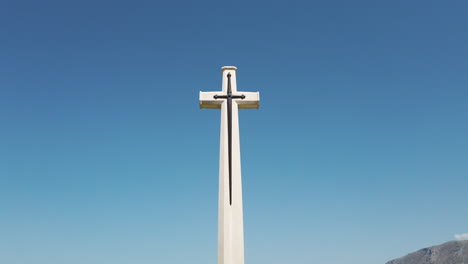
(242,96)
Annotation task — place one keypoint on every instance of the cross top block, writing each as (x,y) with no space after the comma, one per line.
(232,68)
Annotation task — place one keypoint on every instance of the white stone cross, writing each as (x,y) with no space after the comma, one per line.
(230,219)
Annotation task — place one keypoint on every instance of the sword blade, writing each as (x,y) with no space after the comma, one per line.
(229,105)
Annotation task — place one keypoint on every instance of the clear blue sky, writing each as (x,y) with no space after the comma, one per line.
(358,153)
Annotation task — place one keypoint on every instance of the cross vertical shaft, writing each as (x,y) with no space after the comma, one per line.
(230,225)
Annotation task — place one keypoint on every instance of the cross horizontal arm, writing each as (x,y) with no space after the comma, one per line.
(250,100)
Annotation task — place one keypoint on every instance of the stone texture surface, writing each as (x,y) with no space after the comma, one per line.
(453,252)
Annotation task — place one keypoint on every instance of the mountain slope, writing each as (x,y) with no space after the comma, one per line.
(453,252)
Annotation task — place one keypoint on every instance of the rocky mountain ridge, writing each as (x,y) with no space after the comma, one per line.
(453,252)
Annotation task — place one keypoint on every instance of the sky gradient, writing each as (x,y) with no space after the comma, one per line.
(358,153)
